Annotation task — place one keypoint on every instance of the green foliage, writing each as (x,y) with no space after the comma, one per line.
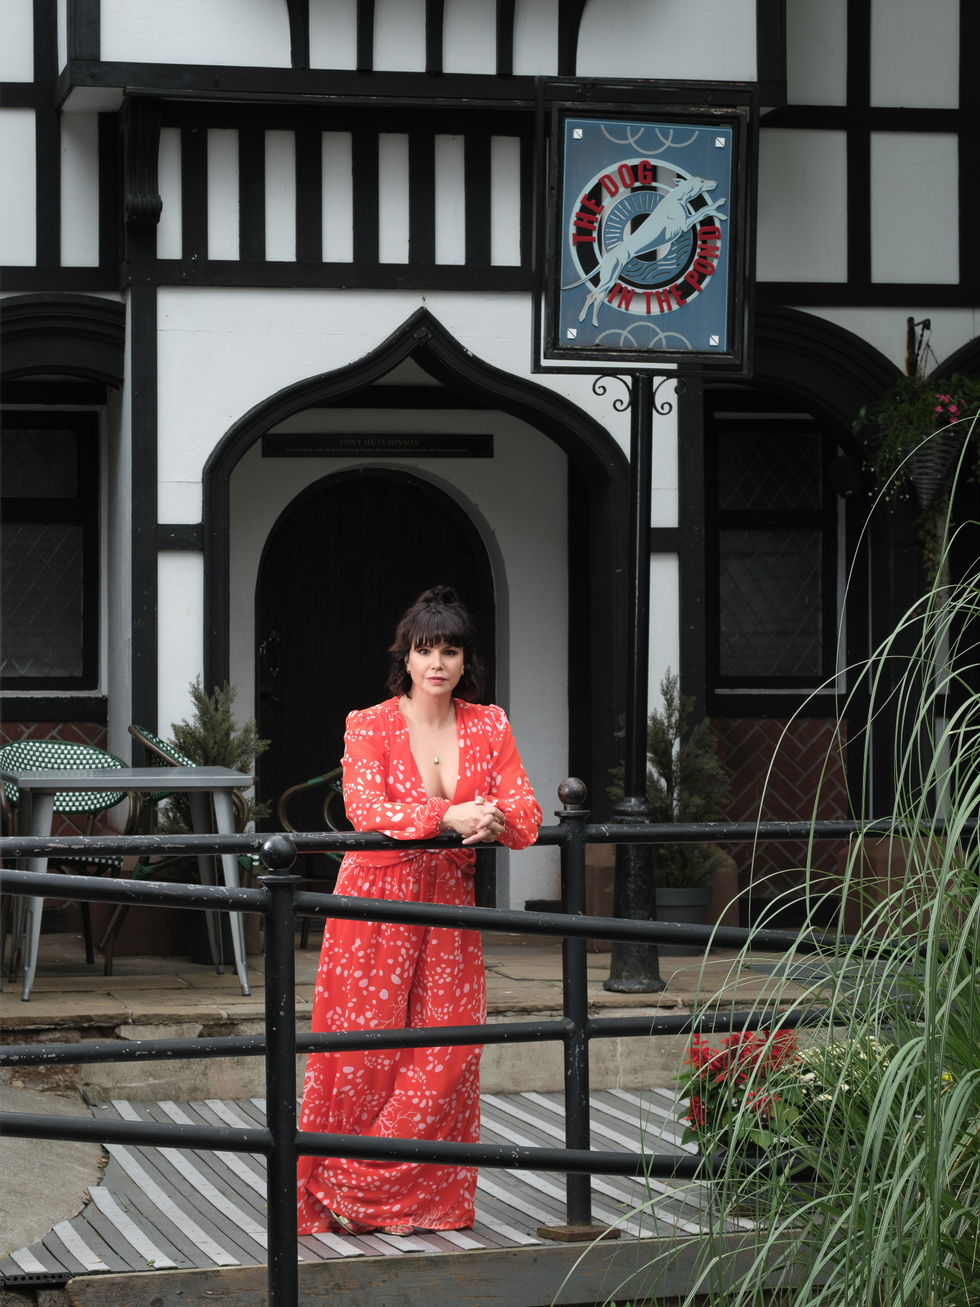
(212,738)
(685,782)
(858,1180)
(910,417)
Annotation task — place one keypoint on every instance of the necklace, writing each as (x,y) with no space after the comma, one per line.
(426,733)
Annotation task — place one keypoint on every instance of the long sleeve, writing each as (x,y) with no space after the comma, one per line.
(511,791)
(366,802)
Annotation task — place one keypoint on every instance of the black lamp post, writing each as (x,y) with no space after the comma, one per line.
(635,968)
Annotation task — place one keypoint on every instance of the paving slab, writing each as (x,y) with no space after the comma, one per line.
(29,1209)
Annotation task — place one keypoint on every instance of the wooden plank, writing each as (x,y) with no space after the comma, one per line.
(141,1244)
(85,1230)
(514,1277)
(232,1161)
(72,1250)
(174,1212)
(145,1214)
(214,1228)
(116,1251)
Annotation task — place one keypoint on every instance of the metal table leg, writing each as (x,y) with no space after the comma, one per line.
(201,819)
(224,812)
(42,811)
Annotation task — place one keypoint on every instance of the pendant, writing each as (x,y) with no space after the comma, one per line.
(436,761)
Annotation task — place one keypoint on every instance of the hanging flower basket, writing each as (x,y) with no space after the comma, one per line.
(915,435)
(931,463)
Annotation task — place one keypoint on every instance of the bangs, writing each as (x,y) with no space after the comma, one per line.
(438,625)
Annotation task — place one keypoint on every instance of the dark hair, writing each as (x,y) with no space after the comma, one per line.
(436,617)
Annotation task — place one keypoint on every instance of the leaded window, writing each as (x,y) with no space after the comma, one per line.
(772,544)
(49,550)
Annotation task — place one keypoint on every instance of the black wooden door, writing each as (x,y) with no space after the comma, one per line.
(340,567)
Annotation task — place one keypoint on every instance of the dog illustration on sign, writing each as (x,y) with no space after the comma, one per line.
(672,217)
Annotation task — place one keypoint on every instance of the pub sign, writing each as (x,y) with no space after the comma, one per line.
(645,238)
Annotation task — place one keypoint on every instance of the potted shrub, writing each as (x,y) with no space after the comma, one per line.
(212,738)
(685,783)
(915,435)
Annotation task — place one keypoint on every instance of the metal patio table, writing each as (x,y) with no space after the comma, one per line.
(37,791)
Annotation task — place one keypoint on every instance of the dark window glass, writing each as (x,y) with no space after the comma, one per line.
(42,599)
(770,471)
(771,610)
(39,466)
(771,541)
(49,550)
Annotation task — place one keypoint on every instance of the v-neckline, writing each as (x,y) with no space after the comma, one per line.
(415,766)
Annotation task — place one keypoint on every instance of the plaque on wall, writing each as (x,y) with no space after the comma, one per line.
(645,235)
(284,445)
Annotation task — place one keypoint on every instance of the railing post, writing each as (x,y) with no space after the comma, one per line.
(278,855)
(575,1001)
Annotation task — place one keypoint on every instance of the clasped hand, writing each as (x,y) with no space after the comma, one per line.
(478,822)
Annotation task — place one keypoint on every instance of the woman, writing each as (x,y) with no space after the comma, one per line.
(422,762)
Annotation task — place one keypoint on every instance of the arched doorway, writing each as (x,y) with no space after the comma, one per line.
(597,500)
(339,568)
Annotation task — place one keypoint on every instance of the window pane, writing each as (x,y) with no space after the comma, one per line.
(41,600)
(770,471)
(38,464)
(771,619)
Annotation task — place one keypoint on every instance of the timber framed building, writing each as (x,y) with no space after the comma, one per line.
(266,271)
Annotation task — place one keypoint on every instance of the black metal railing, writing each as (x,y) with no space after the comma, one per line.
(279,901)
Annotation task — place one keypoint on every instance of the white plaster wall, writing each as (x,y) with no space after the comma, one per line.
(505,200)
(62,33)
(399,35)
(704,39)
(18,231)
(665,646)
(469,37)
(222,193)
(180,640)
(816,51)
(16,40)
(225,32)
(915,228)
(333,33)
(518,502)
(885,328)
(450,199)
(535,37)
(663,479)
(223,350)
(80,190)
(802,232)
(170,241)
(280,196)
(338,198)
(915,51)
(392,197)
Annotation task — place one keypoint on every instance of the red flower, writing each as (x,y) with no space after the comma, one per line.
(696,1115)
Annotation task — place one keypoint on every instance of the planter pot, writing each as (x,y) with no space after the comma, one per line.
(689,906)
(929,464)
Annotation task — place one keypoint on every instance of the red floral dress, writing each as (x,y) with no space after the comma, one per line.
(374,976)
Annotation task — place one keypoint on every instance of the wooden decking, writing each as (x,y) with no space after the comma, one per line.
(176,1209)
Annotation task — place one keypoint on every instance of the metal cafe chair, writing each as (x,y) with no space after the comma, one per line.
(161,754)
(333,797)
(60,755)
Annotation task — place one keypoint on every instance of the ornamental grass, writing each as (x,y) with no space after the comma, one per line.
(847,1154)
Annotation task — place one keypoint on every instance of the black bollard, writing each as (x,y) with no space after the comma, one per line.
(278,855)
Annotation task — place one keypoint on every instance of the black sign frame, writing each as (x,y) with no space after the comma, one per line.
(683,104)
